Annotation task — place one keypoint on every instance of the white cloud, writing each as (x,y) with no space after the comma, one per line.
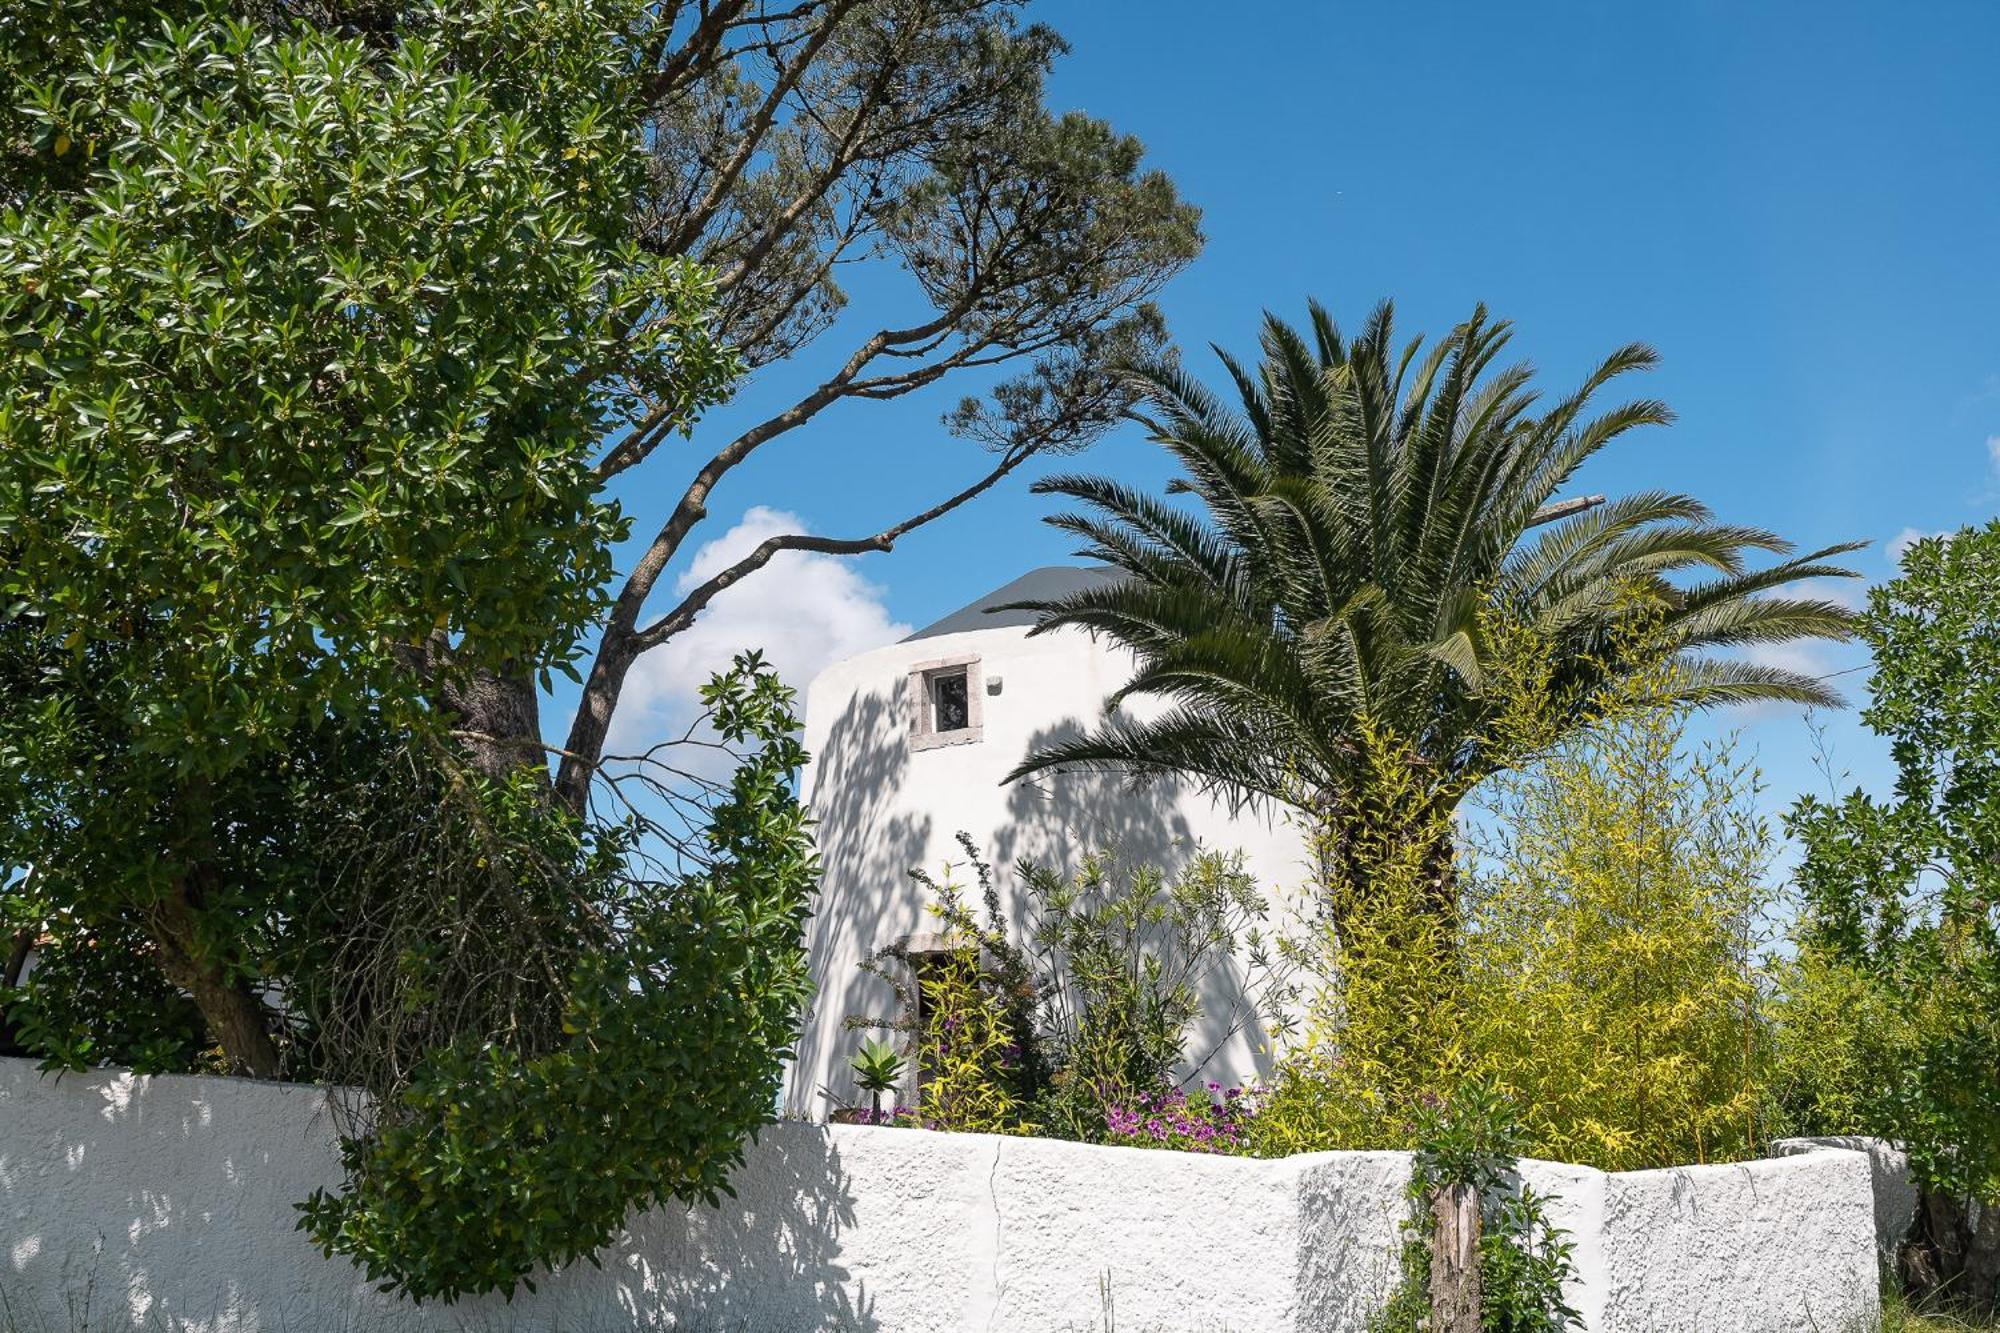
(1807,657)
(805,610)
(1850,593)
(1993,455)
(1904,540)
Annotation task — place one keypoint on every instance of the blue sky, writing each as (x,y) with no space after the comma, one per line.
(1799,206)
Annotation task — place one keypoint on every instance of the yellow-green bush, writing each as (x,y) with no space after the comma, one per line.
(1613,907)
(1385,1025)
(1602,971)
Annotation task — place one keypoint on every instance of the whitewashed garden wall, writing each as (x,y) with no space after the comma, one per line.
(167,1203)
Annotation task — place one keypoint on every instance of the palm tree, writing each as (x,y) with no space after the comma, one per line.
(1372,512)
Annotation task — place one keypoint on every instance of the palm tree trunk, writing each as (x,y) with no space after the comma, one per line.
(1356,867)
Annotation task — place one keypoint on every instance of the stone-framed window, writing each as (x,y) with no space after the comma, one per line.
(946,702)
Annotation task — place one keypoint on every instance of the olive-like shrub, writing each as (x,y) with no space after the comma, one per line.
(495,1162)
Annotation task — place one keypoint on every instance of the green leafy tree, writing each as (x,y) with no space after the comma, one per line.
(1369,524)
(503,1156)
(1893,1024)
(313,348)
(437,278)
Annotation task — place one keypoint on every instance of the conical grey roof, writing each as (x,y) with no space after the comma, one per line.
(1042,584)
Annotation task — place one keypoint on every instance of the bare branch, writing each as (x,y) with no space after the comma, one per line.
(1561,509)
(692,605)
(753,136)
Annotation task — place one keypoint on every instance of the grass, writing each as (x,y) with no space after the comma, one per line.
(1898,1317)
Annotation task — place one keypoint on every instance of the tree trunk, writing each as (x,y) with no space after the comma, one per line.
(1455,1288)
(1352,884)
(592,724)
(235,1016)
(1440,884)
(501,714)
(17,959)
(1952,1255)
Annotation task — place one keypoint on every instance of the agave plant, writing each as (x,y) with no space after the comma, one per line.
(877,1069)
(1373,511)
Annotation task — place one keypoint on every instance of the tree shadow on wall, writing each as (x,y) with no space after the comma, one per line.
(1054,819)
(767,1261)
(867,848)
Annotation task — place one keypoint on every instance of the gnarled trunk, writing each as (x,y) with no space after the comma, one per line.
(1456,1293)
(498,717)
(1952,1255)
(236,1017)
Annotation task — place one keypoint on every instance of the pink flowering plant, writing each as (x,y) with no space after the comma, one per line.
(1211,1119)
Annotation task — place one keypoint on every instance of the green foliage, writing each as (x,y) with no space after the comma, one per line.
(95,995)
(1523,1263)
(319,353)
(1900,1315)
(1893,1009)
(968,1048)
(877,1069)
(516,893)
(313,344)
(1122,955)
(1599,963)
(1611,948)
(496,1161)
(966,1007)
(1367,524)
(1383,1030)
(1083,1033)
(1470,1140)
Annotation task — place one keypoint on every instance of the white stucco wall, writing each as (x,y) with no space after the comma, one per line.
(1894,1183)
(167,1203)
(885,808)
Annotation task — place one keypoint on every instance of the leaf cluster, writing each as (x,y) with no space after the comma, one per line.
(308,366)
(498,1161)
(1894,1005)
(1367,514)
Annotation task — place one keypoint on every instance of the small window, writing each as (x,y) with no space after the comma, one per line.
(950,704)
(945,707)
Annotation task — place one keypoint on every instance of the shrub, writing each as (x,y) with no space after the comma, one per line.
(966,1011)
(1601,971)
(1123,955)
(497,1161)
(1088,1026)
(1892,1012)
(95,996)
(1384,1025)
(1613,909)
